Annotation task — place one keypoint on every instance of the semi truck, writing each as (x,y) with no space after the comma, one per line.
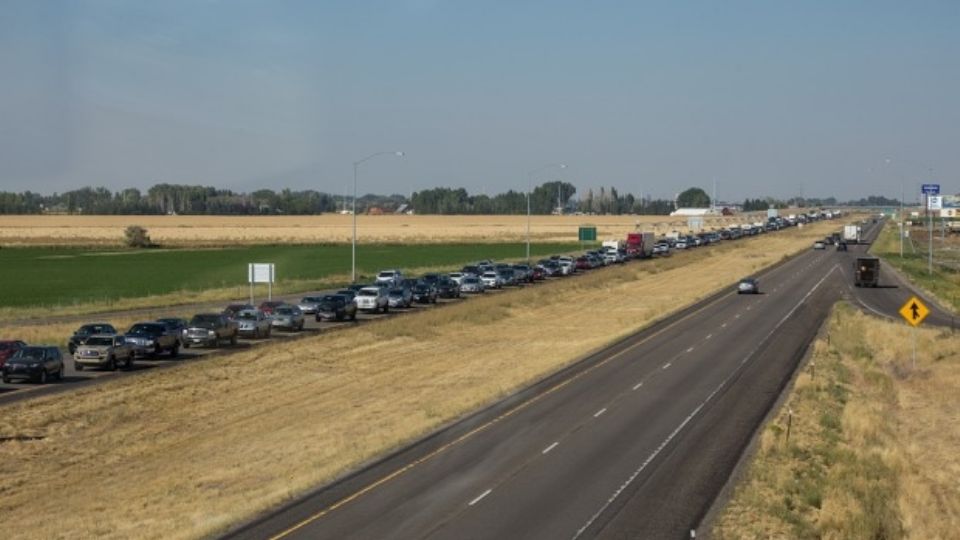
(866,272)
(640,244)
(851,234)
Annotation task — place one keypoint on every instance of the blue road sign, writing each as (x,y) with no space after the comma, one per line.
(930,189)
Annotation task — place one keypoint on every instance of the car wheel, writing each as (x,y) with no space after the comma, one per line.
(6,379)
(111,364)
(301,326)
(256,333)
(353,316)
(156,351)
(77,367)
(186,345)
(386,308)
(175,351)
(60,373)
(269,331)
(43,377)
(233,339)
(128,363)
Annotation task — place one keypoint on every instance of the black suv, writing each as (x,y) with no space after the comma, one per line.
(35,364)
(335,307)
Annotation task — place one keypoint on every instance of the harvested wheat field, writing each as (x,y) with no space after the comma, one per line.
(872,451)
(179,231)
(187,452)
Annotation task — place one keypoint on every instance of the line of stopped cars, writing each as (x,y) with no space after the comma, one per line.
(102,346)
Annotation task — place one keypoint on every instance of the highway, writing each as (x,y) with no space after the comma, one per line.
(634,442)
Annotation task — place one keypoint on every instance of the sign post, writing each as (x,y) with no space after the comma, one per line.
(934,202)
(587,233)
(914,312)
(261,273)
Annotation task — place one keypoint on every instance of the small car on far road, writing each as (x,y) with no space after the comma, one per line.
(270,305)
(424,293)
(819,245)
(288,317)
(36,364)
(308,304)
(400,297)
(372,299)
(210,329)
(748,286)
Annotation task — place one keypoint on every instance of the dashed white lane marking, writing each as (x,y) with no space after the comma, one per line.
(709,336)
(549,448)
(637,386)
(480,497)
(690,349)
(724,325)
(737,316)
(598,413)
(667,365)
(749,308)
(693,414)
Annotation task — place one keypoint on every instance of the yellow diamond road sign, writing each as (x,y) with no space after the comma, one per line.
(914,311)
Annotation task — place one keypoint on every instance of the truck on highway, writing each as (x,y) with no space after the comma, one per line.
(866,272)
(851,234)
(640,244)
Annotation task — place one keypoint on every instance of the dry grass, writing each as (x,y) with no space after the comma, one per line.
(872,450)
(328,228)
(183,453)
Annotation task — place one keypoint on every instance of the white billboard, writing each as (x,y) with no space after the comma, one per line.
(260,273)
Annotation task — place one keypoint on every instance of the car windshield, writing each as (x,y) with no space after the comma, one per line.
(367,292)
(29,353)
(247,316)
(396,292)
(386,274)
(6,346)
(145,329)
(100,341)
(489,274)
(470,280)
(204,319)
(284,311)
(93,329)
(310,300)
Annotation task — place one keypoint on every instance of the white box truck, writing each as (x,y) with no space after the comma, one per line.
(851,234)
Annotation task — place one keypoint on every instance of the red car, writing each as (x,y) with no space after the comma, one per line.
(268,307)
(8,348)
(538,273)
(582,263)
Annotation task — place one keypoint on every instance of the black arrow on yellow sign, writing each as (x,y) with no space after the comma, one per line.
(914,311)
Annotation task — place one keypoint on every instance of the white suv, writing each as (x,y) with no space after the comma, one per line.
(372,299)
(390,277)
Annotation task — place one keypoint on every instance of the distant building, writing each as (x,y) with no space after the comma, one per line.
(694,212)
(375,211)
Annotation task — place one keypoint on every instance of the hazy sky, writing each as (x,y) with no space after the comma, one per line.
(768,97)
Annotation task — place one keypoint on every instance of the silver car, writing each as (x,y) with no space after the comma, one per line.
(308,304)
(472,285)
(288,318)
(491,280)
(253,323)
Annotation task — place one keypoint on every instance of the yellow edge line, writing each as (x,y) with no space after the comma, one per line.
(370,487)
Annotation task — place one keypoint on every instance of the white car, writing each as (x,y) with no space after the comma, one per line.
(372,299)
(567,267)
(457,277)
(491,280)
(681,244)
(390,277)
(819,245)
(471,284)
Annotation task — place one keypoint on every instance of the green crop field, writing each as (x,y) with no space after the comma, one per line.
(66,276)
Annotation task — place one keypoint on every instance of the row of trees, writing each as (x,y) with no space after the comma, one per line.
(544,199)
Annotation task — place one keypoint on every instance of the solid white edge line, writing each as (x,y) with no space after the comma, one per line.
(479,497)
(696,411)
(549,448)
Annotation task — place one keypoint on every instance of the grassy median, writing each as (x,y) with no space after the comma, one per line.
(189,451)
(865,444)
(942,284)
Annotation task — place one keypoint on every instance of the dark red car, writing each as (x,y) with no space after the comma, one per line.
(8,348)
(582,263)
(538,273)
(268,307)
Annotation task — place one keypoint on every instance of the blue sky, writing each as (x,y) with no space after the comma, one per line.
(768,98)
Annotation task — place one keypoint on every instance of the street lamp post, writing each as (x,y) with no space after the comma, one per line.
(353,253)
(529,183)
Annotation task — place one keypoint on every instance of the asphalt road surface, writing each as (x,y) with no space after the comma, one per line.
(635,442)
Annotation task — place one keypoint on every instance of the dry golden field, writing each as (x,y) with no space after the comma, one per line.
(186,452)
(873,442)
(176,231)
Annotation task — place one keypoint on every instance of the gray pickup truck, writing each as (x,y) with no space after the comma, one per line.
(153,339)
(210,329)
